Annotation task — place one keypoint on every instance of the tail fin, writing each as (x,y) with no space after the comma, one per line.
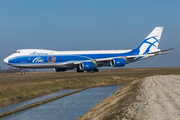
(151,42)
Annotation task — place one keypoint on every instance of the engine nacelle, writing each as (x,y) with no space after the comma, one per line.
(60,69)
(118,62)
(86,66)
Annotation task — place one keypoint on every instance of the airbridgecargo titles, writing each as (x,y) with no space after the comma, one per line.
(86,60)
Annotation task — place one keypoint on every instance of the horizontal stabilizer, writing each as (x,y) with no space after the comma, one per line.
(161,51)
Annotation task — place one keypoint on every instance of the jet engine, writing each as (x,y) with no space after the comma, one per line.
(60,69)
(86,66)
(118,62)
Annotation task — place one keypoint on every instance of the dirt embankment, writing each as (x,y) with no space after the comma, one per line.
(160,98)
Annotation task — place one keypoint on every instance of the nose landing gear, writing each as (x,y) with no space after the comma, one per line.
(22,72)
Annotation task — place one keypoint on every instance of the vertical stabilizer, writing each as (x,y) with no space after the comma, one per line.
(151,42)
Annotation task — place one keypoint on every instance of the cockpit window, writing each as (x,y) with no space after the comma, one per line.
(17,51)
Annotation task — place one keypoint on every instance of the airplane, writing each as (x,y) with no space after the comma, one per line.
(85,60)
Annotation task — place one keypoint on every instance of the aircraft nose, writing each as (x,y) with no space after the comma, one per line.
(6,60)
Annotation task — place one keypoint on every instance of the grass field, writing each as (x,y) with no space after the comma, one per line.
(15,87)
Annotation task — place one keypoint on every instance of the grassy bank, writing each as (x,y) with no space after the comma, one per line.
(117,106)
(16,87)
(123,108)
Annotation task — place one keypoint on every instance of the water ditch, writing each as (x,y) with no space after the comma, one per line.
(70,107)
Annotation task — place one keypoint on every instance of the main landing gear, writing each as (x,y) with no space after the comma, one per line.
(92,71)
(79,70)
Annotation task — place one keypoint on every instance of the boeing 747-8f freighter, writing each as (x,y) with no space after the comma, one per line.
(85,60)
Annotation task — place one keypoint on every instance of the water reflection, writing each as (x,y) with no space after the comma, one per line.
(67,108)
(17,105)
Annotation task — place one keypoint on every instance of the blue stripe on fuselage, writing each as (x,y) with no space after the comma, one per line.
(28,59)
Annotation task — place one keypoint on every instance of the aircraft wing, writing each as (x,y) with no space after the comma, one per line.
(105,61)
(129,59)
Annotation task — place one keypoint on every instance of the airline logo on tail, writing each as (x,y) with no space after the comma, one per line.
(151,42)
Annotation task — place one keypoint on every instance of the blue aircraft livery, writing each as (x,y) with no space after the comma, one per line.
(86,60)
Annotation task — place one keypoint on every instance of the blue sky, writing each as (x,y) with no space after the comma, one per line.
(89,25)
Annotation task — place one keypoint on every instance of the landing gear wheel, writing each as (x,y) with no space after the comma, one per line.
(22,72)
(91,71)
